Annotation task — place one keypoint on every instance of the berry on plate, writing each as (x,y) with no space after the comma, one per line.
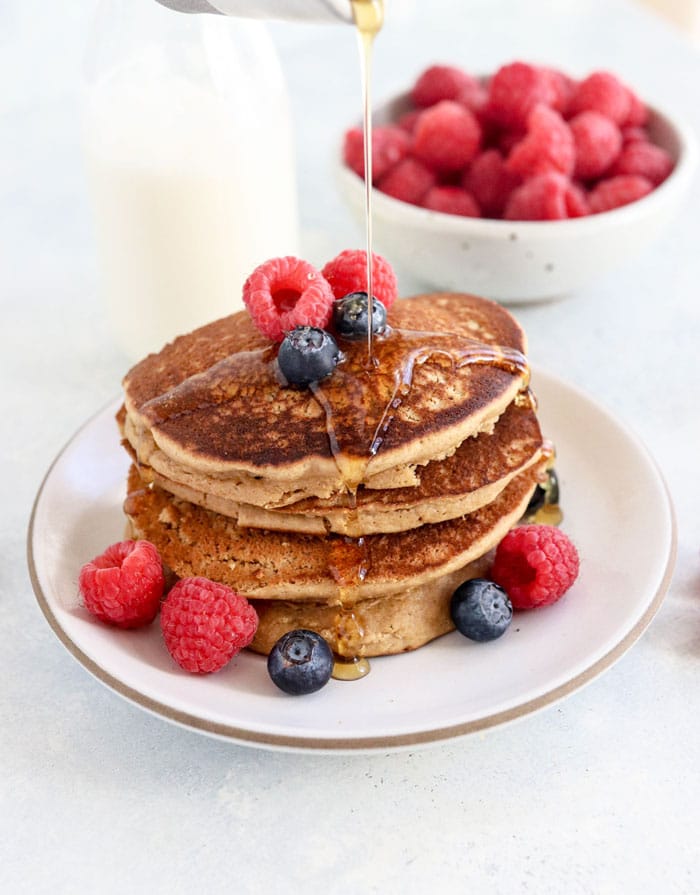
(481,610)
(535,565)
(451,200)
(614,192)
(350,317)
(347,273)
(440,82)
(307,354)
(446,137)
(286,292)
(205,624)
(123,586)
(300,662)
(389,145)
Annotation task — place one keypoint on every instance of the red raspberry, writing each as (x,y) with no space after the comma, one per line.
(473,96)
(451,200)
(446,137)
(206,624)
(286,292)
(576,201)
(563,87)
(646,160)
(535,565)
(123,585)
(602,92)
(541,198)
(616,191)
(407,121)
(631,133)
(409,181)
(389,145)
(516,89)
(598,142)
(490,182)
(440,82)
(347,273)
(547,147)
(638,114)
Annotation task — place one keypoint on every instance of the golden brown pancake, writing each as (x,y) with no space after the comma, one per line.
(211,407)
(295,567)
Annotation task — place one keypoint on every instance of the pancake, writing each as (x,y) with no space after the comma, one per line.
(392,624)
(296,567)
(210,407)
(473,476)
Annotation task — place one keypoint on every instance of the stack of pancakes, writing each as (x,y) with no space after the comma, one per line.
(357,506)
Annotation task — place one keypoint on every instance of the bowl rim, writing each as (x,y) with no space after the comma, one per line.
(680,176)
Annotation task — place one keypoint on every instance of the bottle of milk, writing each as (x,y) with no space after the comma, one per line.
(190,162)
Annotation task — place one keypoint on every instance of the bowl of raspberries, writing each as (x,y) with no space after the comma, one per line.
(521,186)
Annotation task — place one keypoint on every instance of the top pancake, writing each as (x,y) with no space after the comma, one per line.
(213,402)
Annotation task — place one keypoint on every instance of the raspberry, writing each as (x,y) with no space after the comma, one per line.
(407,122)
(563,87)
(389,145)
(123,585)
(632,133)
(638,114)
(473,96)
(347,273)
(547,147)
(451,200)
(541,198)
(516,89)
(598,142)
(616,191)
(646,160)
(446,137)
(602,92)
(408,181)
(286,292)
(206,624)
(576,201)
(490,182)
(440,82)
(535,565)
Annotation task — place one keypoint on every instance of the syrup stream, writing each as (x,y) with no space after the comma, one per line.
(369,17)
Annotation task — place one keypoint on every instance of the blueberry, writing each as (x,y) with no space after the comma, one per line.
(300,662)
(350,316)
(307,354)
(481,609)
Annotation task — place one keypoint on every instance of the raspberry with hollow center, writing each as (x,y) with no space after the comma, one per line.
(347,273)
(205,624)
(535,565)
(123,586)
(446,136)
(389,145)
(283,293)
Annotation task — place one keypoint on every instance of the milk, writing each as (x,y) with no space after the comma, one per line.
(192,184)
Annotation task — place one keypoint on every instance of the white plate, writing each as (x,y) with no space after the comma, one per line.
(617,510)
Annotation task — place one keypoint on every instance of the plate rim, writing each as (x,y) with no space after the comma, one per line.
(384,742)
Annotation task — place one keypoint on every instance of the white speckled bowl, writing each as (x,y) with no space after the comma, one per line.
(521,261)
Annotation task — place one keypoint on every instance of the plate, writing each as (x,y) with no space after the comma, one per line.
(611,491)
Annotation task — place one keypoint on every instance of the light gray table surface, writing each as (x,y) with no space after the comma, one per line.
(595,794)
